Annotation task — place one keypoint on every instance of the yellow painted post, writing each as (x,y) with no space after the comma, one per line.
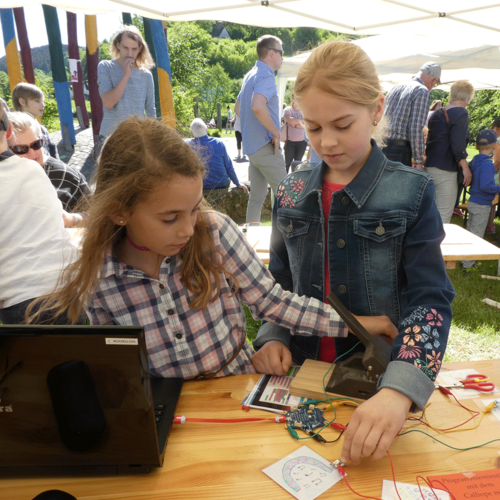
(12,55)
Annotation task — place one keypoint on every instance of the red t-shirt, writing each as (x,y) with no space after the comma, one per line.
(327,347)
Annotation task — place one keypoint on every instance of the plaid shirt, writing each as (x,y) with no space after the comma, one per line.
(70,184)
(183,342)
(406,107)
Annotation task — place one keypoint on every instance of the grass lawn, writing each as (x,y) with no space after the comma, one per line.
(475,325)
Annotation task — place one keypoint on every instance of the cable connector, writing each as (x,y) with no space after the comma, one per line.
(490,407)
(339,465)
(281,419)
(338,426)
(444,390)
(319,437)
(180,419)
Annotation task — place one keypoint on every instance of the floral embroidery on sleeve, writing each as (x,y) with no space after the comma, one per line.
(421,343)
(289,191)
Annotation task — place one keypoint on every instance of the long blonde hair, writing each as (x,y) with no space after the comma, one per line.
(345,71)
(139,155)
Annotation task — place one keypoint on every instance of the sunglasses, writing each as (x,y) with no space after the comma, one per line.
(278,50)
(24,148)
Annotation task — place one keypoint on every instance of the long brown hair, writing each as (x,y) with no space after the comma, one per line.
(139,155)
(144,58)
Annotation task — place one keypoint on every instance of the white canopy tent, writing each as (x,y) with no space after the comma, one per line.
(460,58)
(438,17)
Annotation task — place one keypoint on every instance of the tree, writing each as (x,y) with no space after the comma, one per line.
(215,86)
(187,45)
(235,56)
(482,111)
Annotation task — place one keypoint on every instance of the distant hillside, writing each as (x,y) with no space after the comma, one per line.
(41,58)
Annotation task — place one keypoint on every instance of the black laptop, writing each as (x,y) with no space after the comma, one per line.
(81,396)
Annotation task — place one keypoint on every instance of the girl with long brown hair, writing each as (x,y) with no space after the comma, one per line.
(153,255)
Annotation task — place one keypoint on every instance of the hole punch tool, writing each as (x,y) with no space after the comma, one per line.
(357,376)
(473,381)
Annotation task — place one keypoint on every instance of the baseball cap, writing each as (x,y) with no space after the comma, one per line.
(496,122)
(486,137)
(433,69)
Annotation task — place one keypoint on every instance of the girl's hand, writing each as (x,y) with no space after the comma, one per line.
(273,358)
(71,220)
(378,325)
(374,425)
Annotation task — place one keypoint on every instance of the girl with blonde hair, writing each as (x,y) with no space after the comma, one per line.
(154,255)
(366,229)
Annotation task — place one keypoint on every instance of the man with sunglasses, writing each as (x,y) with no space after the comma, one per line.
(34,246)
(27,141)
(258,109)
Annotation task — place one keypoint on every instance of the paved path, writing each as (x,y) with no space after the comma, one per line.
(81,157)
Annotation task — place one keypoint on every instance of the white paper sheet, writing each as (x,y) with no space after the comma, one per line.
(304,474)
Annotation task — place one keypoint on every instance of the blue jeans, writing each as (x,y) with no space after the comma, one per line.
(14,315)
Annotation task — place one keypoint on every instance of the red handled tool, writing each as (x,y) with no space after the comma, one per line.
(474,381)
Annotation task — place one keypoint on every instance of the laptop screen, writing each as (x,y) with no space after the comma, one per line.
(75,395)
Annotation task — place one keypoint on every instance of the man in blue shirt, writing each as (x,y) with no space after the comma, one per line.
(220,171)
(258,109)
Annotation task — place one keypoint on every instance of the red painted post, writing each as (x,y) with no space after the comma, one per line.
(24,43)
(74,53)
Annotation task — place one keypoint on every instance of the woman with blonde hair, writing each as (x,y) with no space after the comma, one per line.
(446,151)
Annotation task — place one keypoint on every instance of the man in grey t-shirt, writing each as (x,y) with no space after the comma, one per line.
(125,83)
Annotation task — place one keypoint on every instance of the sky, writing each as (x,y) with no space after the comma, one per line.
(107,24)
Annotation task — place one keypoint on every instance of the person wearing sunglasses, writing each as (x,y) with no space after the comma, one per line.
(27,142)
(259,112)
(34,246)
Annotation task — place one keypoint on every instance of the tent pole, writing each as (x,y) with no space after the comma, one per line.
(164,73)
(12,55)
(92,62)
(59,76)
(74,53)
(24,43)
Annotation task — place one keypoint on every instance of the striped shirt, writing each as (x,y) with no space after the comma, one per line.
(184,342)
(406,107)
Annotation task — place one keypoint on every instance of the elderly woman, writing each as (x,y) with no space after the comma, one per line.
(446,148)
(27,142)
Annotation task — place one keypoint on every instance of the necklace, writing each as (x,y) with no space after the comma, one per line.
(137,247)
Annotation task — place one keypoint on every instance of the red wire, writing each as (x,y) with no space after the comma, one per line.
(227,420)
(474,413)
(342,471)
(443,487)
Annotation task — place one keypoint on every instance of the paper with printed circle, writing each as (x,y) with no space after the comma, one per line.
(304,474)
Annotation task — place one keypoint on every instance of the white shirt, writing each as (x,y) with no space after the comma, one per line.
(34,245)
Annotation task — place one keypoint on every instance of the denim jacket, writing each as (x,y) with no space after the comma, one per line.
(384,236)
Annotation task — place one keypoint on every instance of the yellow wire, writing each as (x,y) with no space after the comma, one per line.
(483,413)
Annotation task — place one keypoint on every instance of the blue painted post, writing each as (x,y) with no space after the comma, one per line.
(164,73)
(12,55)
(59,76)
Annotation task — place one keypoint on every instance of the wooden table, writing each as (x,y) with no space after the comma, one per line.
(459,244)
(225,461)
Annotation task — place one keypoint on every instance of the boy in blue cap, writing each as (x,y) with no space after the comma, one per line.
(483,188)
